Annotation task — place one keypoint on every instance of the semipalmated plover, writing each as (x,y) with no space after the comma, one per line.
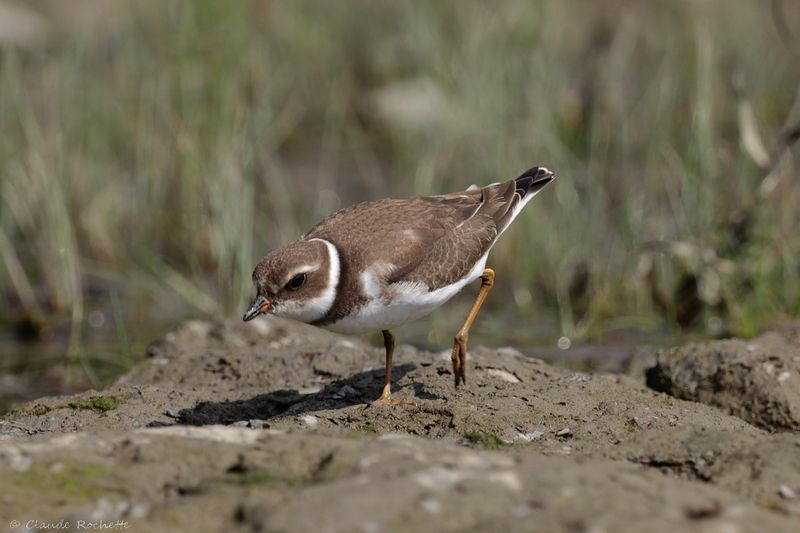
(380,264)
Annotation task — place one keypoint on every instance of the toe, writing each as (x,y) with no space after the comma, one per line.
(385,401)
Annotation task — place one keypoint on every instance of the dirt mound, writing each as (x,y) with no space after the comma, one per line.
(756,380)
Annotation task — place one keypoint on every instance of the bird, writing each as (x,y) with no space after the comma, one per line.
(380,264)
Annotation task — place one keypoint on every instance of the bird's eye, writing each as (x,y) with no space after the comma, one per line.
(296,282)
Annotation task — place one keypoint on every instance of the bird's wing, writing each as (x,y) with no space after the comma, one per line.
(421,239)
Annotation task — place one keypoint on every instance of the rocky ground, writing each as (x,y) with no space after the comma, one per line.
(264,427)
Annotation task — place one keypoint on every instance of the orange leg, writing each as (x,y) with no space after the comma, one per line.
(459,356)
(386,394)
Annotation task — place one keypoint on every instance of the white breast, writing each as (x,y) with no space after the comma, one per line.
(402,303)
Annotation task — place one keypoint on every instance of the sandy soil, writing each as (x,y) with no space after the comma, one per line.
(264,426)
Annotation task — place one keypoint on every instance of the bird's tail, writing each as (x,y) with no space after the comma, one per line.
(532,181)
(524,189)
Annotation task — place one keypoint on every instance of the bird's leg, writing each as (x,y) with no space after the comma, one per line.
(388,344)
(459,356)
(386,394)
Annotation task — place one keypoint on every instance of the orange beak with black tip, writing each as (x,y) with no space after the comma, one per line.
(261,305)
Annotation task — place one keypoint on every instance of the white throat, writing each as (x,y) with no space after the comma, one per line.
(315,308)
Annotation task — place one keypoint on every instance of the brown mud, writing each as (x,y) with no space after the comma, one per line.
(264,426)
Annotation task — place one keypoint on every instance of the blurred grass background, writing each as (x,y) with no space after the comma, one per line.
(151,152)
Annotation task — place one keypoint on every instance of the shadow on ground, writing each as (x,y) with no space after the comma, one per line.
(339,394)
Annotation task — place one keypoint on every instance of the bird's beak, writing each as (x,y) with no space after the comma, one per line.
(261,305)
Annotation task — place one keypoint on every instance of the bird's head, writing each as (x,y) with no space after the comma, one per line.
(296,281)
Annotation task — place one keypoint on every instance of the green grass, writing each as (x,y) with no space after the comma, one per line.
(490,441)
(98,404)
(73,481)
(176,147)
(41,410)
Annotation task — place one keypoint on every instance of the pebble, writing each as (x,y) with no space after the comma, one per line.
(345,391)
(529,437)
(309,420)
(503,375)
(226,434)
(253,423)
(566,433)
(507,351)
(786,492)
(443,479)
(344,343)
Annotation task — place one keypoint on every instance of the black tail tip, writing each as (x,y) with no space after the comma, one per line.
(533,179)
(536,173)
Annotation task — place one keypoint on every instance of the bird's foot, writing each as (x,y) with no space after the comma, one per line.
(386,399)
(459,360)
(390,400)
